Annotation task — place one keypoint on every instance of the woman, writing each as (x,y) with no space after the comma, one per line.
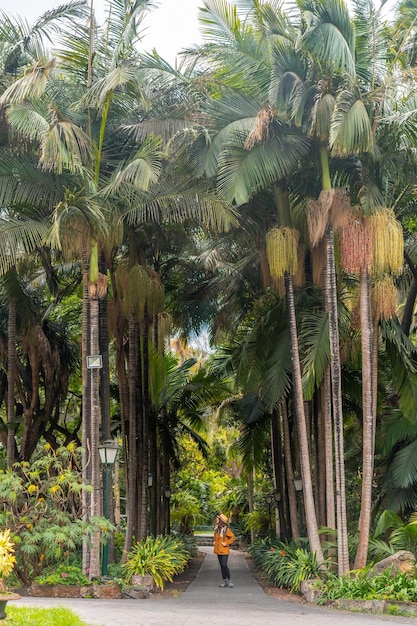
(223,539)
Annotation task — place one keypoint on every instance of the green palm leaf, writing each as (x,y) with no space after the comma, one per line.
(350,130)
(31,86)
(29,120)
(314,336)
(244,172)
(19,236)
(220,21)
(404,466)
(329,35)
(66,146)
(141,171)
(401,353)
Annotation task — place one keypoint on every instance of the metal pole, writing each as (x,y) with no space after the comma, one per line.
(106,515)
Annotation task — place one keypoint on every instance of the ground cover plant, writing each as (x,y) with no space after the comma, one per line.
(22,616)
(160,557)
(63,575)
(363,586)
(285,564)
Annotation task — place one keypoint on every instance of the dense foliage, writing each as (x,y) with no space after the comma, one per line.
(40,505)
(363,586)
(263,195)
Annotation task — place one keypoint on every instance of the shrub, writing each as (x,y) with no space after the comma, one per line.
(260,548)
(190,545)
(40,503)
(63,575)
(361,586)
(285,564)
(159,557)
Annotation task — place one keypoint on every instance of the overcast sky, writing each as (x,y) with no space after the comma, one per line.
(171,26)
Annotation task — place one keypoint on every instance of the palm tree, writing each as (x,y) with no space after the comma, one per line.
(259,158)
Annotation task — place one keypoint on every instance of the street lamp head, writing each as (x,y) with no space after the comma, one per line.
(298,482)
(150,479)
(167,493)
(277,496)
(108,452)
(268,498)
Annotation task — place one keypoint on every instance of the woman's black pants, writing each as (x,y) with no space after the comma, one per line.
(223,566)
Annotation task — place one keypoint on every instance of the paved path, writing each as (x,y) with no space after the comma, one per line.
(205,604)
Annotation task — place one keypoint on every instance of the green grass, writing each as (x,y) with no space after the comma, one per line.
(22,616)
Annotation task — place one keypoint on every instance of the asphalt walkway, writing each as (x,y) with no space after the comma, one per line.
(205,604)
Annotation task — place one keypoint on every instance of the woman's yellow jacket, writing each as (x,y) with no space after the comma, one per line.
(223,541)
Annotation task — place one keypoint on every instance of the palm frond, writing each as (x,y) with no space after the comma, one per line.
(169,205)
(124,19)
(404,466)
(314,337)
(142,170)
(30,86)
(19,237)
(350,130)
(242,173)
(220,21)
(102,88)
(29,121)
(66,146)
(329,35)
(402,356)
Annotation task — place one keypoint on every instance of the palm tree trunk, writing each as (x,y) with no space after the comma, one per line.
(330,294)
(86,403)
(249,478)
(310,511)
(328,451)
(11,379)
(336,387)
(104,372)
(368,436)
(94,438)
(277,460)
(374,369)
(292,495)
(131,526)
(143,449)
(320,459)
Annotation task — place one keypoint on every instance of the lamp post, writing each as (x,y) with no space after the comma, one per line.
(108,453)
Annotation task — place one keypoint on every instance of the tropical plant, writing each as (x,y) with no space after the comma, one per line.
(159,557)
(186,511)
(40,505)
(7,557)
(62,574)
(392,534)
(363,586)
(286,564)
